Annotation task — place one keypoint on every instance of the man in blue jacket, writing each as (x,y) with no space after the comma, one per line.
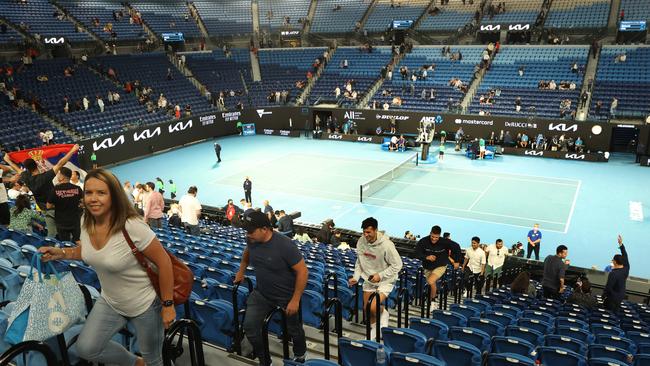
(615,288)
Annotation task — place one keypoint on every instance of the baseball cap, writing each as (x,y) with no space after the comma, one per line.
(255,220)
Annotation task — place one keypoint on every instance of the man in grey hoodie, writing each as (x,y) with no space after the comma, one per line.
(378,264)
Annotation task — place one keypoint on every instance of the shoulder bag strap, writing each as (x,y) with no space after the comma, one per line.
(138,254)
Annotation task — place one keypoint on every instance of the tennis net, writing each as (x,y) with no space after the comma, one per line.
(374,185)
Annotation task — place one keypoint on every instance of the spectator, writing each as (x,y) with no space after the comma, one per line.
(248,187)
(190,211)
(496,256)
(153,210)
(582,295)
(302,236)
(612,108)
(534,238)
(268,211)
(614,291)
(16,190)
(522,285)
(281,276)
(86,102)
(127,293)
(378,264)
(554,270)
(66,199)
(325,233)
(41,183)
(100,104)
(409,236)
(474,266)
(285,223)
(21,215)
(434,254)
(517,250)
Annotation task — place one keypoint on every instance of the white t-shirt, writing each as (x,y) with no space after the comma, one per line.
(476,259)
(125,284)
(190,207)
(496,257)
(3,192)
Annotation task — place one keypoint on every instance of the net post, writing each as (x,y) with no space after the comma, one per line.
(361,193)
(417,159)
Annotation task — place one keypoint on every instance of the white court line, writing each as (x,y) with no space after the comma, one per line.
(464,210)
(482,194)
(573,206)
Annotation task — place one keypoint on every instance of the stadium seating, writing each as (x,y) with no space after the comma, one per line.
(364,68)
(227,17)
(327,20)
(274,13)
(385,11)
(445,70)
(635,10)
(281,69)
(20,129)
(151,69)
(10,37)
(221,74)
(37,15)
(450,17)
(167,17)
(578,14)
(85,11)
(517,11)
(540,63)
(624,80)
(83,82)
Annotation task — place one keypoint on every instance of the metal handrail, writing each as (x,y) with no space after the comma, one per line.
(377,316)
(171,352)
(265,333)
(338,320)
(237,337)
(28,346)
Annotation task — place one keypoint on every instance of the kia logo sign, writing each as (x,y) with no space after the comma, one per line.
(562,127)
(364,139)
(534,153)
(108,143)
(146,134)
(179,126)
(491,27)
(518,27)
(54,40)
(335,137)
(574,156)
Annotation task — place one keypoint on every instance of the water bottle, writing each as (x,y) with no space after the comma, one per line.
(381,356)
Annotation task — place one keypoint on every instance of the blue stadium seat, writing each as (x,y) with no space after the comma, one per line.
(600,351)
(508,359)
(539,315)
(601,329)
(489,326)
(457,353)
(571,322)
(619,342)
(362,352)
(577,333)
(473,336)
(467,311)
(431,328)
(557,356)
(502,318)
(642,360)
(530,335)
(512,345)
(565,342)
(410,359)
(449,317)
(215,319)
(539,325)
(312,307)
(404,340)
(310,362)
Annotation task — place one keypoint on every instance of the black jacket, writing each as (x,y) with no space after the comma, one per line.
(443,249)
(248,185)
(615,287)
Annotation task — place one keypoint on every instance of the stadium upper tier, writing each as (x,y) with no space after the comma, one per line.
(627,81)
(538,63)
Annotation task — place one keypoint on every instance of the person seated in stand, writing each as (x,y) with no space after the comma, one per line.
(401,143)
(392,145)
(555,143)
(582,294)
(524,141)
(579,145)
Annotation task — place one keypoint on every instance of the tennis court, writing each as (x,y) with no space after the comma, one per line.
(502,198)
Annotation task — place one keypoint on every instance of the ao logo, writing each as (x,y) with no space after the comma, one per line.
(57,321)
(562,127)
(534,153)
(54,40)
(146,134)
(108,143)
(180,126)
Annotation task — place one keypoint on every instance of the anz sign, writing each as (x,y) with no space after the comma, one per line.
(107,143)
(54,40)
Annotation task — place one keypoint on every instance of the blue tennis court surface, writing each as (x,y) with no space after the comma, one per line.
(583,205)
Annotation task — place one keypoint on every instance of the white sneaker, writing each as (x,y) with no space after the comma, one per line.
(373,331)
(383,320)
(434,305)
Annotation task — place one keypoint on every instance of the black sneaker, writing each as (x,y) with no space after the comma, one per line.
(299,359)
